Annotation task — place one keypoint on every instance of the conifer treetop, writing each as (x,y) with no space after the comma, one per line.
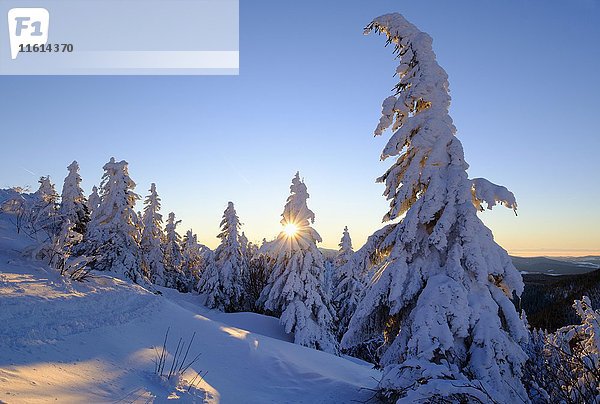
(152,218)
(117,196)
(71,188)
(73,205)
(297,217)
(94,199)
(345,242)
(423,135)
(46,190)
(230,224)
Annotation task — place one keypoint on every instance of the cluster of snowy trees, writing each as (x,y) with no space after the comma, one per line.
(103,232)
(428,298)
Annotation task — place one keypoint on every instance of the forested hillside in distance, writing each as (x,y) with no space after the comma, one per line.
(547,299)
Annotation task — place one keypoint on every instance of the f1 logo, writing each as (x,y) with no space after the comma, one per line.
(27,26)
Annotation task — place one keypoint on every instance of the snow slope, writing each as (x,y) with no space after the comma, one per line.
(94,342)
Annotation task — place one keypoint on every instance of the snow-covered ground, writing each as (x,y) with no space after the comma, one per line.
(95,341)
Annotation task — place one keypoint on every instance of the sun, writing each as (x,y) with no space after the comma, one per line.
(290,229)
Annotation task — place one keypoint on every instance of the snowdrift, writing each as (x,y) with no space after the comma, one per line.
(96,341)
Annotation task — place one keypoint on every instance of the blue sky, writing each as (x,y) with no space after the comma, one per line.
(524,83)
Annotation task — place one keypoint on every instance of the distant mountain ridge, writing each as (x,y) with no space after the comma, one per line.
(534,265)
(548,299)
(550,266)
(328,253)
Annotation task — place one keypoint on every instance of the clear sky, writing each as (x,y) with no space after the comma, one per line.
(525,84)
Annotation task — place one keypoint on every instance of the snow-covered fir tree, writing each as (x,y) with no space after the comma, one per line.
(251,251)
(113,233)
(63,244)
(223,279)
(73,204)
(346,294)
(345,252)
(192,260)
(352,279)
(244,244)
(152,238)
(94,199)
(347,285)
(43,209)
(442,290)
(175,278)
(295,289)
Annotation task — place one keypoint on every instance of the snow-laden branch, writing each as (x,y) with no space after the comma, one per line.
(492,194)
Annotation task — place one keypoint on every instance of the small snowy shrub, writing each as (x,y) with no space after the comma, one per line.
(564,366)
(15,206)
(36,214)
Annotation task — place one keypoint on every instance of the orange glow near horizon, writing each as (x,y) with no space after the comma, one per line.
(554,253)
